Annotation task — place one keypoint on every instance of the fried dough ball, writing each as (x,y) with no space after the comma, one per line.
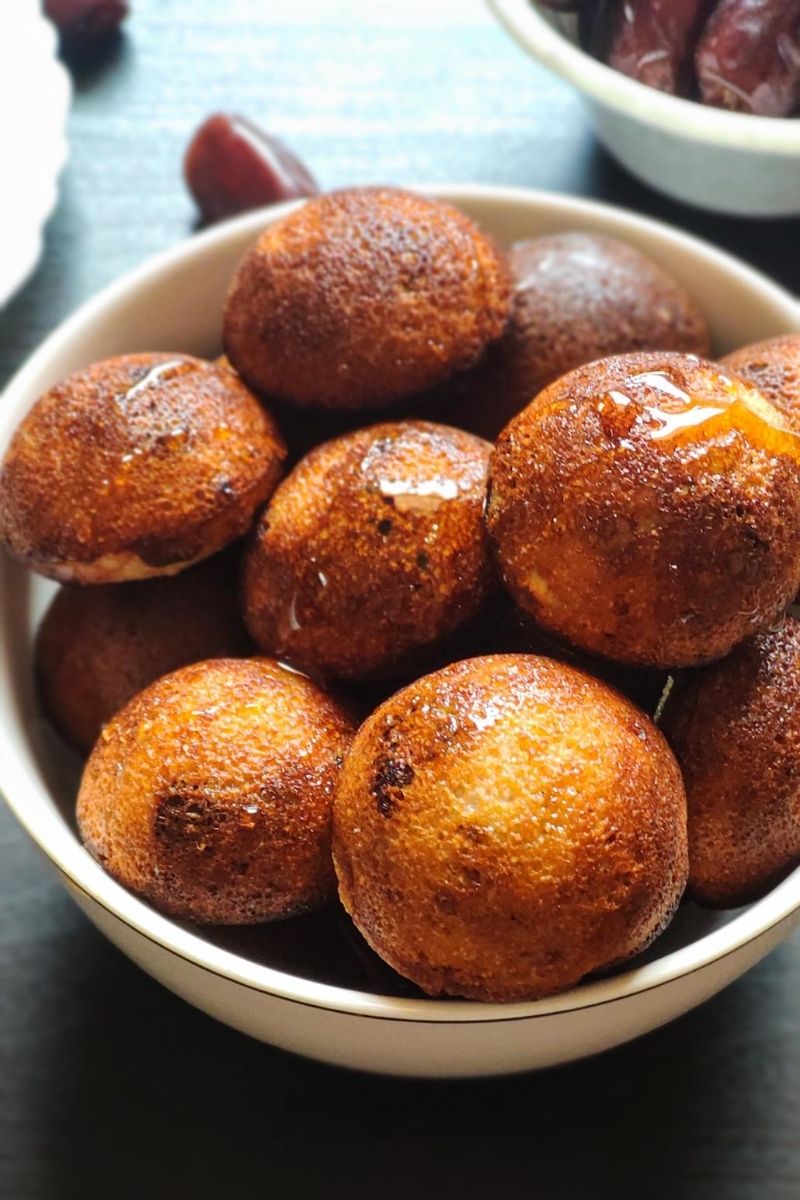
(506,826)
(137,466)
(372,551)
(210,793)
(362,297)
(577,297)
(774,368)
(647,508)
(97,647)
(735,729)
(514,632)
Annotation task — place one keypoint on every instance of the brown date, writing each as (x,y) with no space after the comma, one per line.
(84,23)
(232,165)
(653,41)
(748,58)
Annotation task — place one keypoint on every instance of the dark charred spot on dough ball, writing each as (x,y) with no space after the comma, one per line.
(760,544)
(475,833)
(158,552)
(446,903)
(423,562)
(384,527)
(182,818)
(387,786)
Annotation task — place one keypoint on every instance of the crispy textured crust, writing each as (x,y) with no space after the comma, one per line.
(372,551)
(136,466)
(210,793)
(97,647)
(774,368)
(577,297)
(647,508)
(362,297)
(514,632)
(735,729)
(506,826)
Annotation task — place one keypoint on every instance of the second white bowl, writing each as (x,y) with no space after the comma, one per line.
(729,162)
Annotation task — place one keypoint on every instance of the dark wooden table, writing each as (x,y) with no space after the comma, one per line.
(111,1087)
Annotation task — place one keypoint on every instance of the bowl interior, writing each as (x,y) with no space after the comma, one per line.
(174,303)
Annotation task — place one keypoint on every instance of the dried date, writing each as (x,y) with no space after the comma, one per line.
(748,58)
(232,165)
(83,24)
(653,41)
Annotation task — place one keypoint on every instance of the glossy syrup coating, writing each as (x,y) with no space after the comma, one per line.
(735,729)
(97,647)
(372,551)
(647,509)
(137,466)
(362,297)
(507,826)
(210,793)
(577,297)
(773,367)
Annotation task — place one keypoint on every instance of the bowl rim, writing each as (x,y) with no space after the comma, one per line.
(24,794)
(672,114)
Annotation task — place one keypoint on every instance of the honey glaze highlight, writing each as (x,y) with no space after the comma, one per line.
(646,508)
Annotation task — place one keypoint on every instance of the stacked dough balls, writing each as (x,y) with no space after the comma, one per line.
(506,823)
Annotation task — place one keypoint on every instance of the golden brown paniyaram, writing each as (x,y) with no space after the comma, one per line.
(210,793)
(372,551)
(577,297)
(773,367)
(97,647)
(362,297)
(647,508)
(136,466)
(506,826)
(735,729)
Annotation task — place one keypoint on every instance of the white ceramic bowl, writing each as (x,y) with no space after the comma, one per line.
(174,303)
(729,162)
